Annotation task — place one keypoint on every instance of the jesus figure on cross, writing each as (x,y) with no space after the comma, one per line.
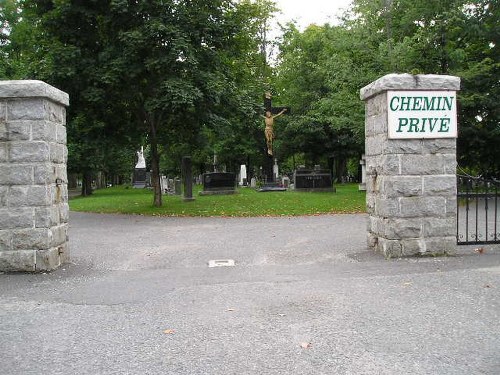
(271,113)
(269,131)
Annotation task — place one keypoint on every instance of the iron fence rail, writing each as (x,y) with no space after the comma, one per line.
(478,210)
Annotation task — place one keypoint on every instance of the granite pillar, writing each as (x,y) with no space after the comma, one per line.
(411,183)
(33,177)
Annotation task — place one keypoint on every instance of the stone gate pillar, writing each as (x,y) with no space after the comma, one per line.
(33,178)
(411,132)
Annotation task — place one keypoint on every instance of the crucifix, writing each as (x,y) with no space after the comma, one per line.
(270,114)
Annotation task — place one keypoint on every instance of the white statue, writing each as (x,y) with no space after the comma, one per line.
(141,163)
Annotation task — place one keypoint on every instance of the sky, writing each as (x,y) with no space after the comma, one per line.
(306,12)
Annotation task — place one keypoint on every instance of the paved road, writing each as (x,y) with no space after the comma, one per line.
(305,297)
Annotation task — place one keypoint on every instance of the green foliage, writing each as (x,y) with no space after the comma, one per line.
(479,110)
(160,72)
(319,76)
(321,70)
(19,38)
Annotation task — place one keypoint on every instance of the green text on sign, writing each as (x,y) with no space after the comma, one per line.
(422,114)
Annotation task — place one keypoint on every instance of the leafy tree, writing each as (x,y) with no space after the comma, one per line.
(158,70)
(176,59)
(457,37)
(73,47)
(321,70)
(238,137)
(17,38)
(319,76)
(479,110)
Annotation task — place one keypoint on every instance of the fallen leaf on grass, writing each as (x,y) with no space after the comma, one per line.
(169,331)
(305,345)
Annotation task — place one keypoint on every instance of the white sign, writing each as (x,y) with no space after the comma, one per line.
(422,114)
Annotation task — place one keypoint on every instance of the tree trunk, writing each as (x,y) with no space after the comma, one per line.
(87,184)
(72,181)
(340,168)
(155,167)
(331,167)
(100,180)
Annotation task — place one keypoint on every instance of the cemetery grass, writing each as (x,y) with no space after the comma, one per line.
(248,203)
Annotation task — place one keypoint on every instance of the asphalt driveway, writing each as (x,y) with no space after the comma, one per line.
(305,296)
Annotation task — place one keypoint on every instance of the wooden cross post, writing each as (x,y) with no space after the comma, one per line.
(270,114)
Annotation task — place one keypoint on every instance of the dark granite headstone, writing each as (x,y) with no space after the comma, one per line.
(140,178)
(271,186)
(313,180)
(219,183)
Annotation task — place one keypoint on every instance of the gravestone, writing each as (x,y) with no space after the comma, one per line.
(33,178)
(411,198)
(276,170)
(274,185)
(243,175)
(170,186)
(285,182)
(219,183)
(253,182)
(164,184)
(316,179)
(177,186)
(140,178)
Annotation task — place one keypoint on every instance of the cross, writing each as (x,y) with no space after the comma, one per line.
(269,107)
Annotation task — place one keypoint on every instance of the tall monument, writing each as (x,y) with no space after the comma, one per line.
(270,114)
(140,175)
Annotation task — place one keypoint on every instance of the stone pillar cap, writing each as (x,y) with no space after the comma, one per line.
(410,82)
(32,89)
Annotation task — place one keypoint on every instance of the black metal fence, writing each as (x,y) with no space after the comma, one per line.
(478,211)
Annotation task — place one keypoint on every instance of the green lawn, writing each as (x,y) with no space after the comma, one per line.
(248,202)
